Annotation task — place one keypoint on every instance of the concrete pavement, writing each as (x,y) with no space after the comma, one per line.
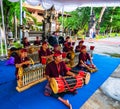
(108,96)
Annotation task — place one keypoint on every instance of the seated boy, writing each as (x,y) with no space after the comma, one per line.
(45,53)
(21,61)
(37,41)
(85,62)
(57,68)
(77,49)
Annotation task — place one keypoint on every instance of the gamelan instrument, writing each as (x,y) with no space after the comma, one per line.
(32,49)
(70,58)
(64,84)
(92,69)
(71,55)
(30,76)
(34,56)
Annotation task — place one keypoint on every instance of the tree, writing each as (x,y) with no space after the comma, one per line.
(107,19)
(78,20)
(9,9)
(111,19)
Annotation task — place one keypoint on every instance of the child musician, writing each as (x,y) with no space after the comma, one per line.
(57,68)
(21,61)
(85,61)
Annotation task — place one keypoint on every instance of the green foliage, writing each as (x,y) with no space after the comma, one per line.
(34,19)
(3,47)
(17,44)
(80,34)
(79,20)
(107,23)
(113,54)
(10,9)
(101,36)
(39,23)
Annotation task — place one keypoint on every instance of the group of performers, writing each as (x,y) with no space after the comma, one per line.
(26,42)
(55,66)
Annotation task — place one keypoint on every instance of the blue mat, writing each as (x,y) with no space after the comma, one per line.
(34,98)
(7,72)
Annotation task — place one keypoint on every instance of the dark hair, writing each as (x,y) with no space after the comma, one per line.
(81,41)
(54,33)
(37,37)
(44,42)
(69,43)
(83,47)
(25,38)
(67,37)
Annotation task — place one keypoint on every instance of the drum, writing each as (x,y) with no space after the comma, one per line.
(64,55)
(64,84)
(43,61)
(85,76)
(92,47)
(59,85)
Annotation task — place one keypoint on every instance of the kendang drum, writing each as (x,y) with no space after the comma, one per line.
(64,84)
(85,76)
(43,61)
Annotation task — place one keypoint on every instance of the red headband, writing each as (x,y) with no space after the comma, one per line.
(44,43)
(57,53)
(81,41)
(23,50)
(83,47)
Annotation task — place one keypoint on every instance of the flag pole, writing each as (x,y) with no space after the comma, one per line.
(21,23)
(63,21)
(4,28)
(1,43)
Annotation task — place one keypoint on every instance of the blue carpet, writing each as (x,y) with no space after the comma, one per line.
(7,72)
(34,98)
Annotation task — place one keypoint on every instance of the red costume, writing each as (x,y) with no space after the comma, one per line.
(54,70)
(19,60)
(44,53)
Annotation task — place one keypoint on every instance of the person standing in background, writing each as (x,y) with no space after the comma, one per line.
(10,34)
(26,43)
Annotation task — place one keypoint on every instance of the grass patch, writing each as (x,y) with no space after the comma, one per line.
(114,34)
(113,54)
(100,36)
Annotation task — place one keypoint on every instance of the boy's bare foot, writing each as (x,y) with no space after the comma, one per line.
(68,104)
